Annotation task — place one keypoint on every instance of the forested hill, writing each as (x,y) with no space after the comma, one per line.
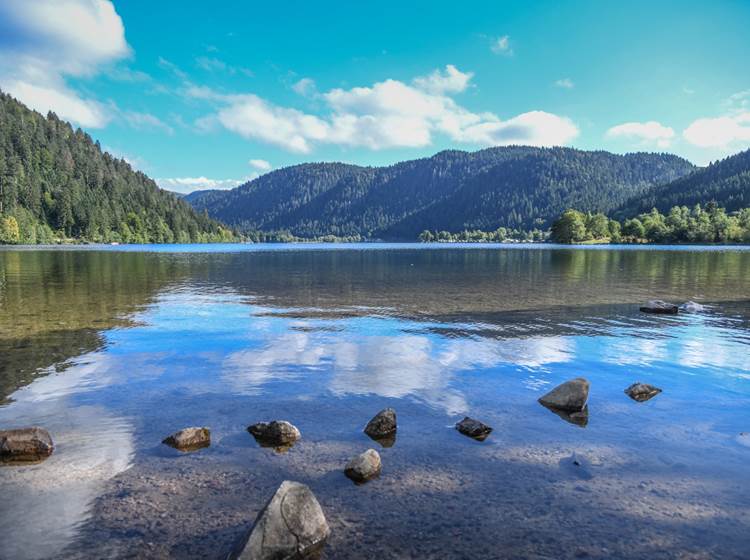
(515,187)
(57,184)
(726,182)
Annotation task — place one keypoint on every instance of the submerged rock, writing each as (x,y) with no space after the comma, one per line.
(291,526)
(571,396)
(660,307)
(577,466)
(278,433)
(744,439)
(473,428)
(642,391)
(364,466)
(189,439)
(25,445)
(692,307)
(382,425)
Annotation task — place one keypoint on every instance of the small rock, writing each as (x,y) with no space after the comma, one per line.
(570,396)
(692,307)
(744,439)
(642,391)
(473,428)
(276,434)
(291,526)
(364,466)
(660,307)
(189,439)
(25,445)
(382,425)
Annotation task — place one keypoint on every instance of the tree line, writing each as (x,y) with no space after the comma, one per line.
(56,185)
(709,224)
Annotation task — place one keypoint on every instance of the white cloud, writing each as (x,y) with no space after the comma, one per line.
(211,64)
(731,131)
(172,68)
(58,98)
(388,114)
(146,121)
(305,87)
(501,45)
(260,165)
(39,46)
(565,83)
(650,132)
(189,184)
(452,80)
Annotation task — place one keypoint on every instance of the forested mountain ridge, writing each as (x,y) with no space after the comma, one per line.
(514,187)
(725,182)
(57,184)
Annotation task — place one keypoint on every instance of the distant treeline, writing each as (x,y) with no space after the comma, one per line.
(288,237)
(499,235)
(709,224)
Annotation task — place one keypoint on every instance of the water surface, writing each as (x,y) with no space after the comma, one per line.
(112,349)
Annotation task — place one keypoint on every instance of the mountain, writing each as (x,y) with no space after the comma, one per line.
(57,183)
(726,182)
(515,186)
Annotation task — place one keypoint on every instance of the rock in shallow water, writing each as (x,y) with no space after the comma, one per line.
(189,439)
(571,396)
(25,445)
(278,433)
(473,428)
(642,391)
(692,307)
(660,307)
(291,526)
(364,466)
(382,425)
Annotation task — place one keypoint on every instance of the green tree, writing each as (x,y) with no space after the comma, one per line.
(570,227)
(9,231)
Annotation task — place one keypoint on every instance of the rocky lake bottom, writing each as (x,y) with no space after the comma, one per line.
(111,351)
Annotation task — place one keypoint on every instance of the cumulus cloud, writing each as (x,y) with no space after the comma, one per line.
(650,132)
(565,83)
(501,45)
(388,114)
(54,96)
(451,80)
(721,132)
(39,47)
(260,165)
(305,87)
(189,184)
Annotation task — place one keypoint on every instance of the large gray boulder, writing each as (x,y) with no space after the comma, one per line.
(383,424)
(189,439)
(660,307)
(364,466)
(571,396)
(291,526)
(278,433)
(642,391)
(473,428)
(24,445)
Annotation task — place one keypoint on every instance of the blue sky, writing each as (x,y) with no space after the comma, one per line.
(207,95)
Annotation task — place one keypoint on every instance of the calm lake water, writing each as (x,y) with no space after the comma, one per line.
(112,349)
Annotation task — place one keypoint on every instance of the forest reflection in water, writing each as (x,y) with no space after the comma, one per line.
(113,350)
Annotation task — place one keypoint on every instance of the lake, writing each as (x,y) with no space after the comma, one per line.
(114,348)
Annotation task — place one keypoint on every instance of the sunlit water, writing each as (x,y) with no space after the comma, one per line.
(112,349)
